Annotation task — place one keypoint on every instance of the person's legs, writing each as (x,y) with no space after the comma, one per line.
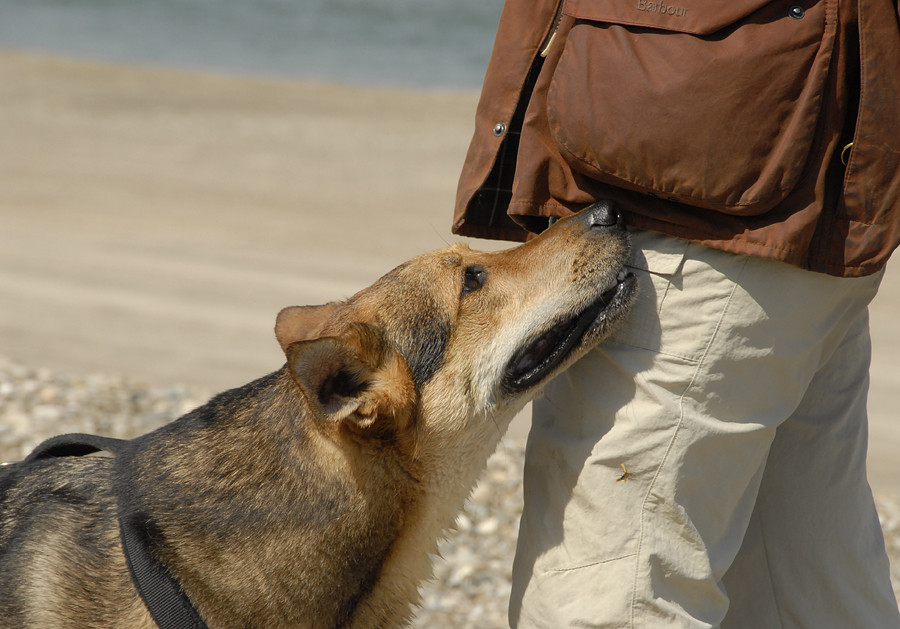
(687,397)
(814,555)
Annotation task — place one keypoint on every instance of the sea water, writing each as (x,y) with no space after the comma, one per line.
(414,43)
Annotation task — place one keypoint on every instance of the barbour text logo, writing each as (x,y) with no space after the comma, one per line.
(661,7)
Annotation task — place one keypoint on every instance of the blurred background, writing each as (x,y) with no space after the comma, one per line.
(174,172)
(417,43)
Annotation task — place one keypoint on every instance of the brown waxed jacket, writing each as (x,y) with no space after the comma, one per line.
(758,127)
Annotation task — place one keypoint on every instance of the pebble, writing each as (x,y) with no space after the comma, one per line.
(471,584)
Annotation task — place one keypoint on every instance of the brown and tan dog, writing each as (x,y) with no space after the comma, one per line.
(315,496)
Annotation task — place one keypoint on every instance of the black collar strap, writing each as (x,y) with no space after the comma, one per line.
(168,604)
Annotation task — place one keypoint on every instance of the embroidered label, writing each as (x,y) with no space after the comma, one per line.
(661,7)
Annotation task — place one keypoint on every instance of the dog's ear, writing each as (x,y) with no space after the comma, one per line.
(355,379)
(301,323)
(329,375)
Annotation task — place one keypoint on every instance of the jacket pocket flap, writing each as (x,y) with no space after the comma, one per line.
(723,122)
(699,17)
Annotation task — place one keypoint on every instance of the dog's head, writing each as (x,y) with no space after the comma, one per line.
(456,339)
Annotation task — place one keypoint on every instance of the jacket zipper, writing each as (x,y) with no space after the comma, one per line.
(545,47)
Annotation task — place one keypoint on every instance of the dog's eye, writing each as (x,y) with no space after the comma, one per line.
(473,279)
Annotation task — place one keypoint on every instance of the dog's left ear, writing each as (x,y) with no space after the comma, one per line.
(301,323)
(356,379)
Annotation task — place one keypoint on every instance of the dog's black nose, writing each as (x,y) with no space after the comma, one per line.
(603,214)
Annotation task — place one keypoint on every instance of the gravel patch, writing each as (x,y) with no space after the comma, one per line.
(471,585)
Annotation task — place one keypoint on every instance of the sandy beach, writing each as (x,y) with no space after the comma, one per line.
(155,221)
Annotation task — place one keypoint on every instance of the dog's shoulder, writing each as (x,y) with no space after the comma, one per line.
(44,487)
(61,507)
(59,543)
(67,471)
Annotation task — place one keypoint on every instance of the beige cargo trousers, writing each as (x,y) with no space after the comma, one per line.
(707,466)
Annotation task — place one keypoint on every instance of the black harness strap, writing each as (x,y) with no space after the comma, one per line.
(75,444)
(168,604)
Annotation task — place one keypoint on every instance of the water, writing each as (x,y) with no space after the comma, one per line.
(422,43)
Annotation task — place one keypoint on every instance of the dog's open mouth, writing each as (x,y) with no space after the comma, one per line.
(532,363)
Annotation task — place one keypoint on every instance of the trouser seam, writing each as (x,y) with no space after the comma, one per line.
(678,424)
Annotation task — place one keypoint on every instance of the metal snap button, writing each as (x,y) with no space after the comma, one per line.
(796,12)
(499,129)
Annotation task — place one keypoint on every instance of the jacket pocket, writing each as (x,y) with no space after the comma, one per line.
(706,103)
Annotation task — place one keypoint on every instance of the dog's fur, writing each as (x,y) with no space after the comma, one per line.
(314,497)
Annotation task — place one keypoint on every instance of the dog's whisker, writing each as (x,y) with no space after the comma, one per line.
(496,425)
(438,233)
